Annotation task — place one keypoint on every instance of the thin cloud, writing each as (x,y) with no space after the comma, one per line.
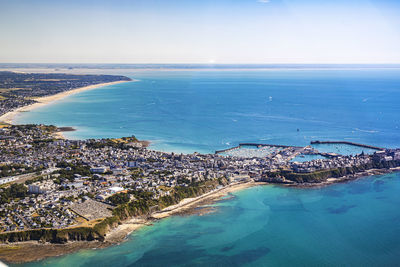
(263,1)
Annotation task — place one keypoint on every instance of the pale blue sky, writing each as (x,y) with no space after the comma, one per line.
(202,31)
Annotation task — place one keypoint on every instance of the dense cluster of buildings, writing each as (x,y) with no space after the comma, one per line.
(48,182)
(77,177)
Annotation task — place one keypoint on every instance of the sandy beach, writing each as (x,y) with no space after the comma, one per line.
(33,251)
(119,233)
(190,203)
(41,101)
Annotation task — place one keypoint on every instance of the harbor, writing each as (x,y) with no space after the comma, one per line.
(347,143)
(250,150)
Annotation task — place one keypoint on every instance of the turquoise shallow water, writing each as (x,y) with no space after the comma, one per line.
(351,224)
(187,111)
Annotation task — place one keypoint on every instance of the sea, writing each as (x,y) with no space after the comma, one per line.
(186,110)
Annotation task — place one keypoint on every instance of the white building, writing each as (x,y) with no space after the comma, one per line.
(35,189)
(98,170)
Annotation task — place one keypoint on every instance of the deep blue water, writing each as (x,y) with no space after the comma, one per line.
(351,224)
(187,111)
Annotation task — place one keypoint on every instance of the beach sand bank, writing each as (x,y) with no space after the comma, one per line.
(33,251)
(186,206)
(41,101)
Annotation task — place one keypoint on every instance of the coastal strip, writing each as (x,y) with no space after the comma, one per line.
(41,101)
(28,251)
(185,206)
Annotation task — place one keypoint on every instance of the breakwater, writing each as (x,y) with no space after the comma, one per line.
(328,155)
(227,150)
(346,143)
(270,145)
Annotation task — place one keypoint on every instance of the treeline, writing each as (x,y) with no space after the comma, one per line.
(118,199)
(52,235)
(12,192)
(120,143)
(16,169)
(69,170)
(144,205)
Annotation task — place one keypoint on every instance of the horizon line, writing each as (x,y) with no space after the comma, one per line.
(193,63)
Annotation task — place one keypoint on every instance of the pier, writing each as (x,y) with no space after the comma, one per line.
(346,143)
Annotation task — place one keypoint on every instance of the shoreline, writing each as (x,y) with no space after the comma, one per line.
(187,205)
(34,251)
(9,117)
(346,178)
(30,251)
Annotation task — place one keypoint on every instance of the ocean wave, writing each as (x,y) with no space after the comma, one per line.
(278,118)
(366,131)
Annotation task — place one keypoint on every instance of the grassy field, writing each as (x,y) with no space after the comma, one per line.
(85,223)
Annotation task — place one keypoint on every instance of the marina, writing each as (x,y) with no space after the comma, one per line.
(347,143)
(249,150)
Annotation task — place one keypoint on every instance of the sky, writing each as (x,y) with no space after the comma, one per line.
(200,31)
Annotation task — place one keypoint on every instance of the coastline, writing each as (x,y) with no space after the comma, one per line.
(118,234)
(346,178)
(23,252)
(186,206)
(9,117)
(30,251)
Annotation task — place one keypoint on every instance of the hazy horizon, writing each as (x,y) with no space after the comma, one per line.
(200,32)
(171,64)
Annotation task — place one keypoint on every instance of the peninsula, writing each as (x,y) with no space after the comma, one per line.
(70,194)
(25,91)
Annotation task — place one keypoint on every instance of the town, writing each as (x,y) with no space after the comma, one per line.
(48,182)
